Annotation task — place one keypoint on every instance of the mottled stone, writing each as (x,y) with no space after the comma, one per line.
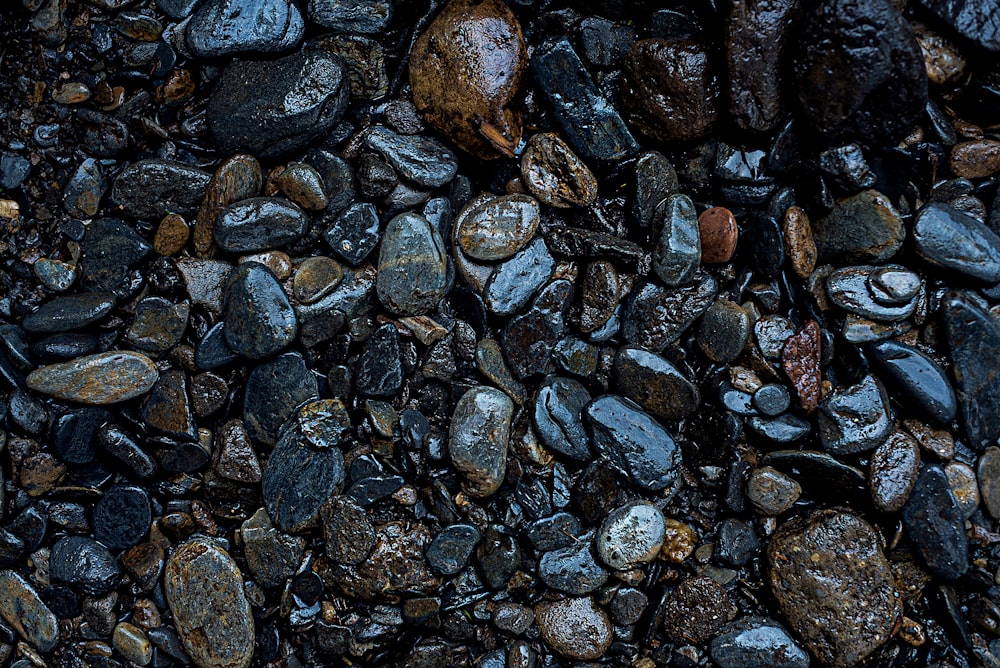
(498,228)
(412,266)
(574,627)
(555,175)
(105,378)
(260,321)
(478,438)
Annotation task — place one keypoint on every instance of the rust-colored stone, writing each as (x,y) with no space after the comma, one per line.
(238,177)
(799,242)
(979,159)
(171,236)
(718,232)
(800,360)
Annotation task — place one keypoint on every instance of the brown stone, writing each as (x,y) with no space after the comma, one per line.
(467,71)
(574,627)
(179,86)
(979,159)
(71,92)
(555,175)
(41,473)
(171,235)
(718,232)
(105,378)
(698,608)
(799,242)
(395,565)
(238,177)
(942,60)
(800,360)
(315,278)
(678,541)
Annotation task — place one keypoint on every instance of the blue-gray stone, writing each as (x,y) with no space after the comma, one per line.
(952,239)
(222,27)
(259,319)
(259,223)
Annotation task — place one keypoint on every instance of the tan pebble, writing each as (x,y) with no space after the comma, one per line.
(171,235)
(678,541)
(316,277)
(555,175)
(277,261)
(719,234)
(979,159)
(799,241)
(9,209)
(72,92)
(179,86)
(943,62)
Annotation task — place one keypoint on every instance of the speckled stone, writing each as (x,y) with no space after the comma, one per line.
(105,378)
(574,627)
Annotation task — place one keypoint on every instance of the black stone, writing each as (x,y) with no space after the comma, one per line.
(450,550)
(259,223)
(73,434)
(122,517)
(572,569)
(84,564)
(736,542)
(222,27)
(259,318)
(947,237)
(380,367)
(935,523)
(151,189)
(64,347)
(274,390)
(975,20)
(558,417)
(918,378)
(353,235)
(973,338)
(654,316)
(123,448)
(110,249)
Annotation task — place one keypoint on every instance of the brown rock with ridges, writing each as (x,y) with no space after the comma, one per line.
(800,360)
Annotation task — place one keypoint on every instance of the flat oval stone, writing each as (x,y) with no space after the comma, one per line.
(64,314)
(834,586)
(260,223)
(635,444)
(974,336)
(222,27)
(204,589)
(497,229)
(26,613)
(555,175)
(422,160)
(947,237)
(514,282)
(723,331)
(631,535)
(655,384)
(677,240)
(105,378)
(718,233)
(935,523)
(412,266)
(894,469)
(861,228)
(572,569)
(855,419)
(259,318)
(756,642)
(478,438)
(151,189)
(302,184)
(919,378)
(988,474)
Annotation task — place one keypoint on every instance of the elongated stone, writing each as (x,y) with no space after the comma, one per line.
(973,338)
(24,611)
(105,378)
(478,438)
(412,266)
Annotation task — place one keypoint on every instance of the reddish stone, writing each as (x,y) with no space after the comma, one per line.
(800,360)
(718,231)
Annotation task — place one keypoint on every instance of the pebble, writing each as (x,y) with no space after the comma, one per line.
(235,457)
(572,569)
(633,442)
(515,281)
(935,523)
(723,331)
(354,233)
(412,266)
(26,613)
(315,278)
(224,27)
(654,317)
(450,550)
(772,492)
(948,238)
(678,541)
(590,124)
(380,367)
(962,479)
(237,178)
(919,378)
(718,233)
(498,555)
(122,517)
(152,189)
(631,535)
(73,434)
(977,159)
(259,223)
(260,321)
(696,610)
(274,390)
(851,288)
(655,384)
(348,533)
(973,335)
(83,192)
(449,59)
(131,642)
(676,241)
(574,627)
(159,324)
(309,87)
(302,184)
(736,542)
(110,248)
(861,228)
(369,17)
(554,532)
(872,86)
(478,439)
(655,181)
(669,89)
(988,474)
(205,592)
(856,418)
(498,228)
(14,169)
(64,314)
(894,468)
(834,585)
(974,20)
(558,417)
(421,160)
(85,564)
(394,566)
(513,618)
(105,378)
(757,642)
(555,175)
(799,244)
(490,362)
(171,235)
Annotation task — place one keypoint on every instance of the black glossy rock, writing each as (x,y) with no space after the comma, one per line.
(655,181)
(122,517)
(84,190)
(974,20)
(450,550)
(590,124)
(572,569)
(369,17)
(634,443)
(974,336)
(757,642)
(859,72)
(676,241)
(123,449)
(935,523)
(110,248)
(348,533)
(27,412)
(259,319)
(73,434)
(85,564)
(558,417)
(528,339)
(861,228)
(67,313)
(655,384)
(422,160)
(259,223)
(763,240)
(150,189)
(855,290)
(271,108)
(499,555)
(159,324)
(919,378)
(736,542)
(222,27)
(24,611)
(516,280)
(894,468)
(212,351)
(168,408)
(273,391)
(63,347)
(380,367)
(554,532)
(354,233)
(855,419)
(949,238)
(412,266)
(654,317)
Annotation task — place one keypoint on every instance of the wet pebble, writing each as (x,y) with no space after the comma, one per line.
(919,378)
(555,175)
(85,564)
(315,278)
(630,536)
(498,228)
(973,335)
(412,266)
(756,642)
(655,383)
(478,438)
(974,20)
(159,324)
(105,378)
(354,233)
(723,331)
(558,417)
(948,238)
(935,523)
(302,184)
(718,233)
(856,418)
(122,517)
(274,390)
(260,223)
(861,228)
(976,159)
(450,550)
(348,533)
(894,468)
(654,317)
(380,367)
(697,609)
(572,569)
(221,27)
(85,189)
(367,16)
(64,314)
(259,318)
(421,160)
(132,643)
(772,492)
(110,249)
(151,189)
(676,242)
(574,627)
(24,611)
(514,282)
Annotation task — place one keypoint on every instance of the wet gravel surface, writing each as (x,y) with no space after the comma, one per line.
(427,334)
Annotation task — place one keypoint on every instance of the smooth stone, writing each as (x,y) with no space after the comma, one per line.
(859,72)
(600,296)
(974,20)
(718,233)
(529,339)
(168,408)
(723,331)
(25,612)
(450,550)
(635,444)
(631,535)
(850,288)
(369,17)
(380,370)
(799,243)
(894,285)
(498,556)
(110,248)
(555,175)
(14,169)
(122,448)
(478,439)
(73,434)
(259,223)
(757,642)
(516,280)
(554,532)
(558,417)
(988,474)
(676,241)
(272,108)
(655,181)
(669,89)
(771,399)
(259,318)
(105,378)
(696,610)
(977,159)
(654,317)
(856,418)
(204,589)
(973,335)
(919,378)
(894,468)
(935,523)
(816,469)
(860,229)
(159,324)
(315,278)
(224,27)
(122,517)
(497,229)
(395,565)
(68,313)
(131,642)
(412,266)
(152,189)
(590,124)
(834,585)
(84,190)
(237,178)
(354,234)
(962,480)
(348,533)
(274,389)
(171,236)
(772,492)
(298,479)
(302,184)
(212,352)
(85,564)
(951,239)
(422,160)
(572,569)
(272,556)
(655,384)
(467,75)
(574,627)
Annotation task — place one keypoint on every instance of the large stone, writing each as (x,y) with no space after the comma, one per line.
(974,336)
(105,378)
(222,27)
(478,438)
(412,266)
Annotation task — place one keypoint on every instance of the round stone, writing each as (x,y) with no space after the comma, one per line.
(498,228)
(574,627)
(315,278)
(718,232)
(631,535)
(555,175)
(772,492)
